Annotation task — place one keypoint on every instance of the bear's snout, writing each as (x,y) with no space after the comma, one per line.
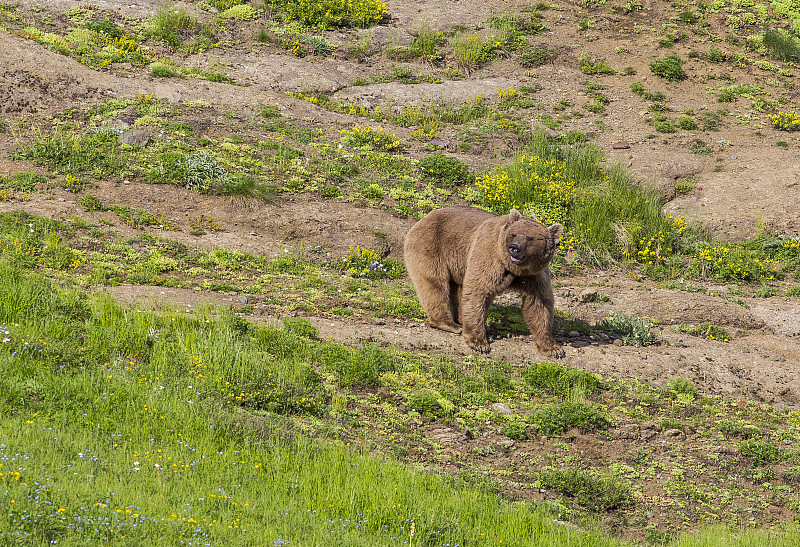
(516,253)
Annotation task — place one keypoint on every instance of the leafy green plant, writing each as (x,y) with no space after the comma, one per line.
(781,45)
(760,452)
(333,13)
(561,381)
(367,138)
(363,262)
(670,68)
(170,26)
(681,387)
(446,170)
(240,12)
(706,330)
(533,57)
(596,66)
(597,490)
(196,171)
(555,419)
(515,430)
(634,331)
(300,326)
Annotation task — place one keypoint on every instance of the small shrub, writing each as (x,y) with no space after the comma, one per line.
(781,46)
(793,291)
(765,291)
(300,326)
(560,381)
(679,386)
(594,490)
(169,25)
(367,138)
(424,402)
(670,68)
(637,87)
(240,12)
(555,419)
(760,452)
(334,13)
(533,57)
(785,121)
(596,67)
(161,69)
(515,430)
(687,124)
(664,126)
(700,147)
(716,55)
(446,170)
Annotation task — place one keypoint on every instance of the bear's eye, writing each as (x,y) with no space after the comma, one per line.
(513,235)
(529,238)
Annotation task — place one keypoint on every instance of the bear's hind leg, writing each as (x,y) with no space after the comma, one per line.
(436,299)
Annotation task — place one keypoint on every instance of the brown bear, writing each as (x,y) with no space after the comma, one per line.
(460,258)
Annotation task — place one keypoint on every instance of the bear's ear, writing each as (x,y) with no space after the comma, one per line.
(514,215)
(533,216)
(555,231)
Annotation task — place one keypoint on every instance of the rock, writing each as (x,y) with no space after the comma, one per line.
(445,435)
(588,295)
(621,145)
(675,434)
(501,408)
(507,443)
(243,299)
(618,342)
(573,334)
(629,431)
(137,137)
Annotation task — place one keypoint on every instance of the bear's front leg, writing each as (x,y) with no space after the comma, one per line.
(538,306)
(474,309)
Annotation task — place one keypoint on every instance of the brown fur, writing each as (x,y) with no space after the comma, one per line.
(461,258)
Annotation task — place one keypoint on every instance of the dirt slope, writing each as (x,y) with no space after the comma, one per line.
(745,185)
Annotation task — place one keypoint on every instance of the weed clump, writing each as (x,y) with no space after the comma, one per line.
(559,380)
(367,138)
(446,170)
(600,491)
(555,419)
(634,331)
(332,13)
(300,326)
(670,68)
(363,262)
(760,452)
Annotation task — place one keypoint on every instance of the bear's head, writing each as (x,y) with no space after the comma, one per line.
(529,244)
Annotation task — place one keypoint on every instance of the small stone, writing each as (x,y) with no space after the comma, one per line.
(137,137)
(617,342)
(573,334)
(243,299)
(588,295)
(675,434)
(507,443)
(621,145)
(501,408)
